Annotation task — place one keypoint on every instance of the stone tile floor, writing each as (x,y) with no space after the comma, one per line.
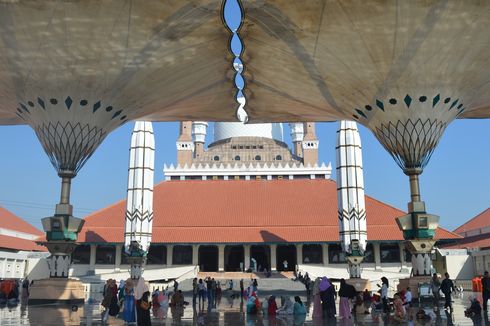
(229,312)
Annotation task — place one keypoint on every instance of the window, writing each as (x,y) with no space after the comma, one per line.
(216,158)
(312,254)
(105,255)
(233,147)
(278,158)
(369,254)
(261,147)
(390,253)
(81,254)
(254,147)
(247,147)
(408,256)
(335,254)
(182,255)
(237,158)
(157,255)
(258,158)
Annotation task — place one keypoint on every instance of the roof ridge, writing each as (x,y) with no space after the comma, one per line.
(470,220)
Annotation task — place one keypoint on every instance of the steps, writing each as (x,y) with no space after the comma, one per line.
(280,281)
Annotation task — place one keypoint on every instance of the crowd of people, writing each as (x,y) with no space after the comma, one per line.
(132,300)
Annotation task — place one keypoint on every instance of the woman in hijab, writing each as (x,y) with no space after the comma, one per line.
(327,294)
(142,296)
(129,310)
(287,308)
(272,307)
(346,293)
(317,301)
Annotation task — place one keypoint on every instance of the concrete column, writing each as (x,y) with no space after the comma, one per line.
(170,251)
(246,264)
(377,255)
(195,255)
(325,254)
(299,254)
(221,258)
(93,251)
(273,257)
(119,249)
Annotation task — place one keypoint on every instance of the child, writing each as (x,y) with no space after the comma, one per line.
(474,309)
(399,308)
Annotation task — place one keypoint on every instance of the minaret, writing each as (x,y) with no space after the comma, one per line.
(185,147)
(297,136)
(350,190)
(199,135)
(310,145)
(139,203)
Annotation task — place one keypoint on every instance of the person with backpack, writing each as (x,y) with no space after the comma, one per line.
(447,287)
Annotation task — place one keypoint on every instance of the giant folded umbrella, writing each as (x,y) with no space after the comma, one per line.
(403,69)
(75,70)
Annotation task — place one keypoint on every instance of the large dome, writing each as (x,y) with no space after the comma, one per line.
(224,130)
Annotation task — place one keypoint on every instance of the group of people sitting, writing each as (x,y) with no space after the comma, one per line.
(269,306)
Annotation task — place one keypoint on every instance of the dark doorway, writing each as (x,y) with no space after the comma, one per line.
(262,254)
(234,256)
(286,253)
(208,258)
(312,254)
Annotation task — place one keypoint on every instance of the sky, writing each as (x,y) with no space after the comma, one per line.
(454,185)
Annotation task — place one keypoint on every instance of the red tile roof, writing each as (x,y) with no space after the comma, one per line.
(12,222)
(481,241)
(19,244)
(239,211)
(480,221)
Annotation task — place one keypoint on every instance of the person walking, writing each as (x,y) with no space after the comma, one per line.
(435,285)
(485,290)
(447,287)
(242,288)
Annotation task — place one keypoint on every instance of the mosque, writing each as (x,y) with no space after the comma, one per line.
(247,201)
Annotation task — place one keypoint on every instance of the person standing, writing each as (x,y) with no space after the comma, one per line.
(447,287)
(285,265)
(242,288)
(195,291)
(485,290)
(346,293)
(435,285)
(384,294)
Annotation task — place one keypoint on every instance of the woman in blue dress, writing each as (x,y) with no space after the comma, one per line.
(129,304)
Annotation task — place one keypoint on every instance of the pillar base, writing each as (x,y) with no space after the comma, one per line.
(413,282)
(360,284)
(57,290)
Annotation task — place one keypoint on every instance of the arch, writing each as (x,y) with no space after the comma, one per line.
(286,253)
(105,255)
(182,255)
(262,254)
(216,158)
(369,254)
(335,254)
(258,157)
(157,255)
(234,257)
(389,252)
(237,158)
(208,258)
(81,254)
(312,254)
(278,158)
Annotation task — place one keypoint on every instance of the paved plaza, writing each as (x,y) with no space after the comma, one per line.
(229,312)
